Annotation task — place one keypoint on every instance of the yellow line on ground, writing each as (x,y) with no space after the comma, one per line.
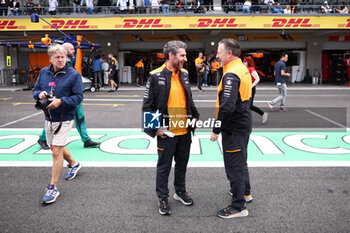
(8,98)
(133,96)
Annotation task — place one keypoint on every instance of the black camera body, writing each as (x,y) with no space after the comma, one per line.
(42,104)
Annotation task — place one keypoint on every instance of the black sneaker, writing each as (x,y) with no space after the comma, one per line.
(230,212)
(164,207)
(183,197)
(90,144)
(43,145)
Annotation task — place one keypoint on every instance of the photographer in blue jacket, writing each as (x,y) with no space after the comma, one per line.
(58,90)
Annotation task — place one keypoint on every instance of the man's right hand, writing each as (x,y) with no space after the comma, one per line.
(43,95)
(160,133)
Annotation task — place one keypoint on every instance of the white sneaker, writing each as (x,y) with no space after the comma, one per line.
(270,105)
(264,117)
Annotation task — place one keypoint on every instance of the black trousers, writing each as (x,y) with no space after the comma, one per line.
(235,159)
(179,148)
(254,108)
(199,80)
(3,9)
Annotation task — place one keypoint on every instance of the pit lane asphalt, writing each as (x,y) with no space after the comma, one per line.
(123,199)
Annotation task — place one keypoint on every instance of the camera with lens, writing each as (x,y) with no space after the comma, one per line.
(43,103)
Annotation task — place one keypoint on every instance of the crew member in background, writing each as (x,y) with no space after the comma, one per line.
(215,66)
(199,70)
(140,68)
(233,110)
(168,91)
(112,71)
(4,4)
(79,118)
(97,68)
(65,87)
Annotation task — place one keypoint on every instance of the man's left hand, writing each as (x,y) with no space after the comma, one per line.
(54,104)
(214,137)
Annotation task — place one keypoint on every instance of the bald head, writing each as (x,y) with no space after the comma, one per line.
(70,49)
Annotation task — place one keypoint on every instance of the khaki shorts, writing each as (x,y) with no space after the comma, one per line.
(59,139)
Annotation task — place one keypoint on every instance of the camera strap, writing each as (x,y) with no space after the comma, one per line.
(47,114)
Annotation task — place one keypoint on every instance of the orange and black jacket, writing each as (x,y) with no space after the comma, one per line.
(157,93)
(233,99)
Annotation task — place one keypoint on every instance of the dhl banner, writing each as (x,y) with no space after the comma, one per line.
(176,22)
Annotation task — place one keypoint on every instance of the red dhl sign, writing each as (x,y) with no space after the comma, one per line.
(216,23)
(181,23)
(294,22)
(70,24)
(10,25)
(142,23)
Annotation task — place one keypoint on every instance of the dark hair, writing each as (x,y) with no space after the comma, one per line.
(173,46)
(283,54)
(250,61)
(231,45)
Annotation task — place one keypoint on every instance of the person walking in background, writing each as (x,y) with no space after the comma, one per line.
(199,70)
(140,69)
(280,80)
(97,68)
(233,111)
(168,91)
(79,117)
(215,66)
(250,64)
(65,87)
(111,72)
(105,68)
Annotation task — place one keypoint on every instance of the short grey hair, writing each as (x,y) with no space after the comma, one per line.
(173,46)
(231,45)
(56,48)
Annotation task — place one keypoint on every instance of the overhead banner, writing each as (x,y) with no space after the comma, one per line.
(176,22)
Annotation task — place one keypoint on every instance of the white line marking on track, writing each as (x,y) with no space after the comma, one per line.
(24,118)
(325,118)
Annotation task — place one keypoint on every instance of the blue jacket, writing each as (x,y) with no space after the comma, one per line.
(69,88)
(97,65)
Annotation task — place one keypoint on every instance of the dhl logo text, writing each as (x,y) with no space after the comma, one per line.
(9,24)
(297,22)
(142,23)
(220,22)
(70,24)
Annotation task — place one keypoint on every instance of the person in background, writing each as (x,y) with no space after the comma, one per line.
(76,6)
(215,66)
(131,6)
(233,111)
(155,4)
(65,87)
(90,6)
(280,80)
(140,69)
(14,7)
(53,4)
(343,9)
(246,6)
(277,9)
(4,4)
(97,68)
(325,8)
(199,70)
(111,72)
(148,6)
(105,68)
(287,10)
(122,6)
(168,91)
(178,6)
(165,6)
(250,64)
(79,117)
